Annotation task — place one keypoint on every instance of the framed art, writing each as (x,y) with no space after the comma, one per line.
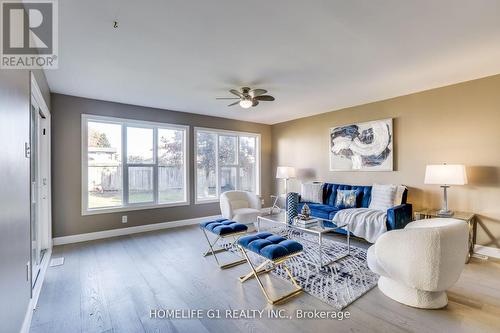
(364,146)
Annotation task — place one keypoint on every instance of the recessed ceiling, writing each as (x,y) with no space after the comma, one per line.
(313,56)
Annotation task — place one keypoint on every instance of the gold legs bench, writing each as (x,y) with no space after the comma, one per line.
(222,228)
(276,250)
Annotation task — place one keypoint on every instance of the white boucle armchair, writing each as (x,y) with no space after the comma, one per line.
(240,206)
(418,263)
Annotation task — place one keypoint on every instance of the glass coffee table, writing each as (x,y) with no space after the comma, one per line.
(319,229)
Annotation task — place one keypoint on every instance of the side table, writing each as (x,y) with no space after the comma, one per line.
(468,217)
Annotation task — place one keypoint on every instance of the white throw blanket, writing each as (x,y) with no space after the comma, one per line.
(363,222)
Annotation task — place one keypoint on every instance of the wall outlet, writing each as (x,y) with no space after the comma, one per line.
(262,202)
(124,219)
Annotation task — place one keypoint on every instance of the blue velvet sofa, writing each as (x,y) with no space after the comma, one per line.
(397,217)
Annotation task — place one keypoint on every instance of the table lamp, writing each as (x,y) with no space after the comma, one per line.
(283,172)
(445,175)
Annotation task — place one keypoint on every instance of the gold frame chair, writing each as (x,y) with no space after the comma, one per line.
(212,251)
(261,269)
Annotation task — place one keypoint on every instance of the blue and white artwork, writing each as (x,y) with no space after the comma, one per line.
(362,147)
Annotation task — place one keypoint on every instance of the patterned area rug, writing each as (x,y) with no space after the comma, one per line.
(338,284)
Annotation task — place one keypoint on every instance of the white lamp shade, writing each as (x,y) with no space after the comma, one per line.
(445,174)
(283,172)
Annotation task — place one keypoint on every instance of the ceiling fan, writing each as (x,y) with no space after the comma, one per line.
(249,97)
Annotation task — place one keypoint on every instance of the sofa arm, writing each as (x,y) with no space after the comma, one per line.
(399,216)
(410,256)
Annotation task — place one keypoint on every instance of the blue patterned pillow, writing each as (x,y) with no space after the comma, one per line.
(346,199)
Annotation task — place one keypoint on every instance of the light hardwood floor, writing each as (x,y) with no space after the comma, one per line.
(111,285)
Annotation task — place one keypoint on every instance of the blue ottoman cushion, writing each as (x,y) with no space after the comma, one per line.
(269,245)
(223,227)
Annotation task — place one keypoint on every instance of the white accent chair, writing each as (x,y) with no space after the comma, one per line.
(240,206)
(418,263)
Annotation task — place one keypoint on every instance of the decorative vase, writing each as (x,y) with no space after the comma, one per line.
(292,206)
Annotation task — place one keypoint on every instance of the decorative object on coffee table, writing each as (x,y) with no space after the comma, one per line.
(292,203)
(468,217)
(305,223)
(305,212)
(445,175)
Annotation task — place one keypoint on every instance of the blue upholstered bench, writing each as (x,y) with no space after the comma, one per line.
(269,245)
(222,228)
(275,250)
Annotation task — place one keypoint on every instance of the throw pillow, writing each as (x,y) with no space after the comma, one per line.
(382,197)
(312,192)
(346,199)
(398,198)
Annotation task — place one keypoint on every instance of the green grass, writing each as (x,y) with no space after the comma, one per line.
(106,199)
(111,199)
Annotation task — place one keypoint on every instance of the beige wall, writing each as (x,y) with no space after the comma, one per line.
(66,164)
(454,124)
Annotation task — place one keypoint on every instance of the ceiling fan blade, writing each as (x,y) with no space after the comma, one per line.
(255,102)
(267,98)
(227,98)
(257,92)
(237,102)
(236,92)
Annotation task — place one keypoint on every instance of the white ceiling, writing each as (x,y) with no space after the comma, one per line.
(313,56)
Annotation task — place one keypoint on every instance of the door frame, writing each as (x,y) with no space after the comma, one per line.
(46,238)
(44,168)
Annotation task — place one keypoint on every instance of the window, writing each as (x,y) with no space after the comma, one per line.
(104,176)
(225,161)
(130,164)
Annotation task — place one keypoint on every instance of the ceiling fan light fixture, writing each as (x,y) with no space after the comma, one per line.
(247,98)
(246,103)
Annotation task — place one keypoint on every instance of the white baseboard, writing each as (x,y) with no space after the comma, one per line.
(36,292)
(128,231)
(27,319)
(487,251)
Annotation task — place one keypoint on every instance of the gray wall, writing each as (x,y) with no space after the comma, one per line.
(66,164)
(15,289)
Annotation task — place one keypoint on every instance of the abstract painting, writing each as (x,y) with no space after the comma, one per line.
(362,147)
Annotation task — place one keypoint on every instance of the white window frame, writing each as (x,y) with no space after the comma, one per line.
(86,118)
(219,132)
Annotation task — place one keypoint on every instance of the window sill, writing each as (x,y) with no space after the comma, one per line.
(207,201)
(97,211)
